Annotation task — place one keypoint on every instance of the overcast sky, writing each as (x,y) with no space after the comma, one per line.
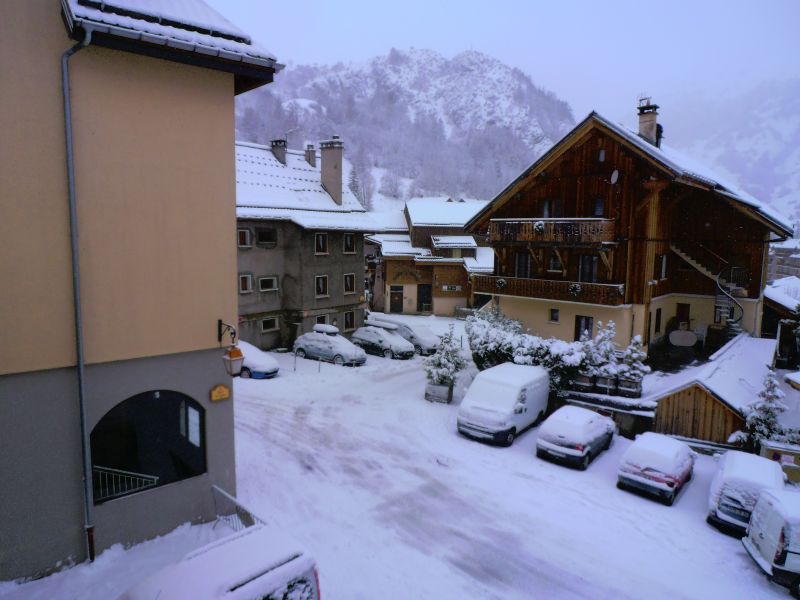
(594,54)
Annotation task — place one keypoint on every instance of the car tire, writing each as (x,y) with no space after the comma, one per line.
(418,349)
(388,353)
(620,485)
(510,437)
(300,353)
(670,500)
(338,360)
(539,417)
(245,373)
(794,588)
(584,464)
(609,442)
(540,453)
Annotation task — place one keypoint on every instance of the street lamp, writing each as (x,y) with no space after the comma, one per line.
(233,359)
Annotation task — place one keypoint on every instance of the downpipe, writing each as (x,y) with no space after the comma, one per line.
(88,501)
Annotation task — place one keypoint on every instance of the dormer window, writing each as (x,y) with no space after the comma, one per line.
(601,156)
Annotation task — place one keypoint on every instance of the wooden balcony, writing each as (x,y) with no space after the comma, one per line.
(577,232)
(572,291)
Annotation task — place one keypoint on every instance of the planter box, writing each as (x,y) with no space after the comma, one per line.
(605,384)
(439,393)
(629,388)
(583,382)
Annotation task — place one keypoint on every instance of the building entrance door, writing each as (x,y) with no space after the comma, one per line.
(396,299)
(424,297)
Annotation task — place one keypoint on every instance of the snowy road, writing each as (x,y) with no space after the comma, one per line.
(394,504)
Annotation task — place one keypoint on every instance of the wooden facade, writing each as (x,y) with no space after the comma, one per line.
(593,293)
(696,413)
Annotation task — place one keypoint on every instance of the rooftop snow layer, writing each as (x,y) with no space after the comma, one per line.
(189,25)
(785,291)
(453,241)
(397,244)
(483,261)
(262,181)
(390,221)
(442,211)
(311,219)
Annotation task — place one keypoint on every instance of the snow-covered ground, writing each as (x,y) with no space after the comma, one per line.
(375,482)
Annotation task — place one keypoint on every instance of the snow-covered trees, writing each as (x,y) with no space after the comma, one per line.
(443,366)
(632,365)
(762,417)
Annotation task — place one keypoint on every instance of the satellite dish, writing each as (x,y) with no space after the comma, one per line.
(614,177)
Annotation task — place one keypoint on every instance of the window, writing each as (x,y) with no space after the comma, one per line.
(349,320)
(243,236)
(245,283)
(599,207)
(267,284)
(587,271)
(269,324)
(552,208)
(349,283)
(349,243)
(266,237)
(554,315)
(554,263)
(583,326)
(601,156)
(658,321)
(321,286)
(661,266)
(522,265)
(320,243)
(322,320)
(146,441)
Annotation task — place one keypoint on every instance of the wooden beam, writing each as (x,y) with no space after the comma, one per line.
(608,263)
(562,261)
(535,257)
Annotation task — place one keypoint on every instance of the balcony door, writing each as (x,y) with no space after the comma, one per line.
(587,271)
(522,265)
(583,324)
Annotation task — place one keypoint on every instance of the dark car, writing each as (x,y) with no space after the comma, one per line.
(574,436)
(379,341)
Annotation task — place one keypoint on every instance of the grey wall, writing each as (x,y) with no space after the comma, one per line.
(41,499)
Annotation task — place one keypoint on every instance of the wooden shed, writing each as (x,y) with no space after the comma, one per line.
(695,412)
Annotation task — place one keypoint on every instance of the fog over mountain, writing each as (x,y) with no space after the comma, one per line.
(416,123)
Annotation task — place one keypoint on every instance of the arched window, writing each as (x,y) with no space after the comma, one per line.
(148,440)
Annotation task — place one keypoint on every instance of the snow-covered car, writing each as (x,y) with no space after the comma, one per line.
(735,488)
(656,464)
(325,343)
(380,341)
(253,563)
(504,401)
(574,435)
(425,342)
(257,363)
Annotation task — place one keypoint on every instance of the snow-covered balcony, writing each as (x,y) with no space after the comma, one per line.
(574,291)
(553,231)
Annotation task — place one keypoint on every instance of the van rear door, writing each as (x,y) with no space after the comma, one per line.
(765,527)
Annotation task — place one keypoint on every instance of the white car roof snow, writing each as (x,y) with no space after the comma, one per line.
(657,451)
(322,328)
(257,359)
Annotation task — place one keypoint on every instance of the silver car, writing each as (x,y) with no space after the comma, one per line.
(325,343)
(425,342)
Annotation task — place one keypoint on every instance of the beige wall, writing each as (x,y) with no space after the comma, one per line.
(446,307)
(534,314)
(155,185)
(701,312)
(409,298)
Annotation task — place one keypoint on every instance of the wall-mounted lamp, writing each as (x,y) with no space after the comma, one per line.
(233,359)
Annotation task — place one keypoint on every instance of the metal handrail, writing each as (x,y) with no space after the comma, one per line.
(722,289)
(111,483)
(231,512)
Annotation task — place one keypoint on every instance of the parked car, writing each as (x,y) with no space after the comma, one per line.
(325,343)
(503,401)
(380,341)
(656,464)
(773,537)
(735,488)
(253,563)
(257,363)
(424,340)
(574,436)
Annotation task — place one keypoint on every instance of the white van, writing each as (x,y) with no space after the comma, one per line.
(773,537)
(503,401)
(735,487)
(253,563)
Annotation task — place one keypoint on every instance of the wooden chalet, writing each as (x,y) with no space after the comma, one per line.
(611,225)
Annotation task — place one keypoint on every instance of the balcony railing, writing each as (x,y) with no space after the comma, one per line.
(573,291)
(552,231)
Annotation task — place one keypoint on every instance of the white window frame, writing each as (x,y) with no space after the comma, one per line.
(327,288)
(349,312)
(327,248)
(344,245)
(248,234)
(344,283)
(266,244)
(264,329)
(249,278)
(272,289)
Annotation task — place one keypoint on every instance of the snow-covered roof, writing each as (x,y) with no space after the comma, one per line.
(735,374)
(267,189)
(397,244)
(442,211)
(483,261)
(188,25)
(453,241)
(390,221)
(785,291)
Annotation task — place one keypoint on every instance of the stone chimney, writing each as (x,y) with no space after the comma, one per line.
(649,129)
(279,150)
(332,151)
(311,155)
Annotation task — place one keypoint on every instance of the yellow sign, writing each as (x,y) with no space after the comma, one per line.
(220,392)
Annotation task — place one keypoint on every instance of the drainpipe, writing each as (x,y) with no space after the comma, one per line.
(88,502)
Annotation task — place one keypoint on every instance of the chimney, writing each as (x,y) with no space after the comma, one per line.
(331,151)
(648,126)
(311,155)
(279,150)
